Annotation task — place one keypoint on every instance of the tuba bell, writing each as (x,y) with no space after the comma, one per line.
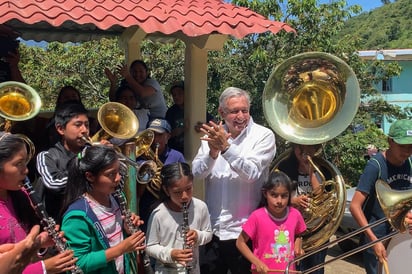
(309,99)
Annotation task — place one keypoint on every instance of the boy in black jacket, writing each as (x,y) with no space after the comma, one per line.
(72,124)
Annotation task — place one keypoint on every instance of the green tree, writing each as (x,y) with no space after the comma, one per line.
(80,65)
(245,63)
(318,28)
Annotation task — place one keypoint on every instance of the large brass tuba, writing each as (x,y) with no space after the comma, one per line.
(309,99)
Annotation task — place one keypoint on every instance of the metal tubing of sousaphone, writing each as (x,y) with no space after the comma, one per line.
(395,205)
(130,187)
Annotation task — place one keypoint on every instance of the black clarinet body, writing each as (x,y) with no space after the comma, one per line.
(125,210)
(185,230)
(48,222)
(143,263)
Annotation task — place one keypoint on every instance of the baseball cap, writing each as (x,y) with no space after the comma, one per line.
(401,132)
(160,126)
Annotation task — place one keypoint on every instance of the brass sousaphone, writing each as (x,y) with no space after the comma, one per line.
(309,99)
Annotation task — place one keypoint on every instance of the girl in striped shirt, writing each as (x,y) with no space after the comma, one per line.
(92,217)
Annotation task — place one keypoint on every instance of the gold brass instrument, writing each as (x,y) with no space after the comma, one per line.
(118,121)
(309,99)
(143,142)
(395,205)
(18,102)
(143,148)
(326,208)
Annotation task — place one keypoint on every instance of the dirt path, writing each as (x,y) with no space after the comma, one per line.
(350,265)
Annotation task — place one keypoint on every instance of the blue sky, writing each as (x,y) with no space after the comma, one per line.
(366,4)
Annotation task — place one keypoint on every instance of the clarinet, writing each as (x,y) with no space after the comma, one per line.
(48,222)
(125,210)
(185,230)
(142,266)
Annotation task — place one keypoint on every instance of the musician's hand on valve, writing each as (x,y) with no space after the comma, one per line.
(302,201)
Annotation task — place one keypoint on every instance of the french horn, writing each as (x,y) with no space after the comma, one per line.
(309,99)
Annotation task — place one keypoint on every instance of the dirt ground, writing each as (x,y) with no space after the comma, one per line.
(351,265)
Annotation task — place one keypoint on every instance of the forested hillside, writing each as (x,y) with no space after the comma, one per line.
(386,27)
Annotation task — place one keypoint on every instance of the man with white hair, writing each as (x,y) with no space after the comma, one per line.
(234,160)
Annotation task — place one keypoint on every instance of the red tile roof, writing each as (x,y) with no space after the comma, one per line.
(36,18)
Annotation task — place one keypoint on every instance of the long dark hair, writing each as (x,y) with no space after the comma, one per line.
(276,179)
(63,90)
(92,159)
(171,173)
(10,144)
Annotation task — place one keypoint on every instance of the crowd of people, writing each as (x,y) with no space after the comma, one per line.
(251,219)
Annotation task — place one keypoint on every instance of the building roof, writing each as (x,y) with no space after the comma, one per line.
(80,20)
(387,54)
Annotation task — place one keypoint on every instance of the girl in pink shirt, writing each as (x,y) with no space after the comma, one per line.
(16,213)
(273,228)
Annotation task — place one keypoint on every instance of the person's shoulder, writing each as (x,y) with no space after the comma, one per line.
(78,208)
(259,212)
(178,156)
(56,149)
(153,83)
(161,208)
(198,203)
(293,212)
(260,128)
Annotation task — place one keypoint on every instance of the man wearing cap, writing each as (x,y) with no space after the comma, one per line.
(394,167)
(166,155)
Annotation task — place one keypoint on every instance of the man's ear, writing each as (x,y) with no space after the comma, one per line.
(221,112)
(60,129)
